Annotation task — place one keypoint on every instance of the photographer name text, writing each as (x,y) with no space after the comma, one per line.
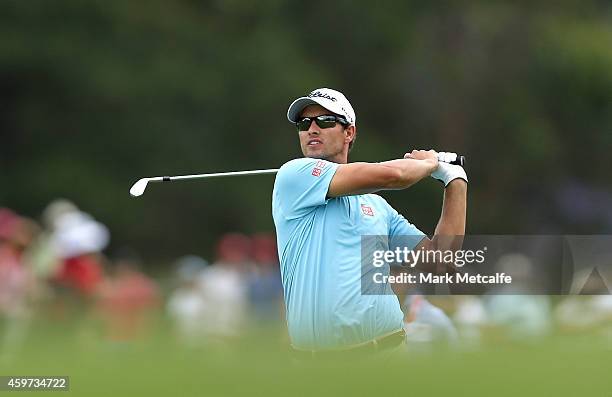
(429,278)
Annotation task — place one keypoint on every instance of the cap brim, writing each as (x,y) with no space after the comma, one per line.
(297,106)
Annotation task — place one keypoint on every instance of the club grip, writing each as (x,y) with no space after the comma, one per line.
(460,160)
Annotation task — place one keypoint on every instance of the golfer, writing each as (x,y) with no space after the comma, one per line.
(322,205)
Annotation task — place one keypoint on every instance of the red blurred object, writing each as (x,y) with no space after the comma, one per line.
(9,224)
(13,280)
(82,273)
(234,248)
(125,302)
(264,249)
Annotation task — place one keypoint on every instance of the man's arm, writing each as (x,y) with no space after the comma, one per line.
(447,236)
(451,226)
(361,178)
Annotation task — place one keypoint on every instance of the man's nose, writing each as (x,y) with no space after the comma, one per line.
(314,128)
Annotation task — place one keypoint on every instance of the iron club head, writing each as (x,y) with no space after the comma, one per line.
(139,187)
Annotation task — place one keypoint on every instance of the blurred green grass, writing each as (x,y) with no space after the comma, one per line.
(260,364)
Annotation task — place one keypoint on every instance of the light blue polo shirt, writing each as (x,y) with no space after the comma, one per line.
(319,246)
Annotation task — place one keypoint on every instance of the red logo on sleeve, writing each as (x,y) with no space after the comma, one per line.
(316,171)
(367,210)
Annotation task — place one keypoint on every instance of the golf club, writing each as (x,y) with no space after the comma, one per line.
(139,187)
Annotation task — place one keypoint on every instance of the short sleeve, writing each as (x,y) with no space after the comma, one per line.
(301,185)
(402,233)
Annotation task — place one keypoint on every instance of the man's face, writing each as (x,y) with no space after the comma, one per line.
(323,143)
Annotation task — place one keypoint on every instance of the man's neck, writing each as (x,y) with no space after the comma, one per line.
(340,158)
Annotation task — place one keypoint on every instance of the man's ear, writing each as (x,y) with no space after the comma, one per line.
(351,131)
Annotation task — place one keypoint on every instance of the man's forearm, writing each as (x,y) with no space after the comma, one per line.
(362,178)
(451,226)
(410,171)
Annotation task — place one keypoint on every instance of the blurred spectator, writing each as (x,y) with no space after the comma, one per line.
(264,283)
(224,289)
(584,312)
(42,256)
(521,316)
(126,300)
(77,240)
(426,324)
(186,304)
(470,317)
(13,275)
(17,284)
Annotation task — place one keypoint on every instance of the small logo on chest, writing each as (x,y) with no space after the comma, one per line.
(316,171)
(367,210)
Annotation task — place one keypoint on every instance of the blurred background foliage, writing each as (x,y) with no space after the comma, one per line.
(94,95)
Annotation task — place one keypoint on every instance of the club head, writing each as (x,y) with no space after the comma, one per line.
(139,187)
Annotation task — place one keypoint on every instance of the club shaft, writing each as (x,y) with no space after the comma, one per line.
(219,174)
(460,161)
(139,187)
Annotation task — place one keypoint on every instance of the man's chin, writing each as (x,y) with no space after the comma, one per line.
(314,154)
(318,156)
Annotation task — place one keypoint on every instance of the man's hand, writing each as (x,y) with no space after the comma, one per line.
(448,172)
(429,155)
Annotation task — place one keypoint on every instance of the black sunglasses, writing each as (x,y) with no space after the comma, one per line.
(323,121)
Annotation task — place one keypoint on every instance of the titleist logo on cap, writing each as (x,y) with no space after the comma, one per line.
(318,94)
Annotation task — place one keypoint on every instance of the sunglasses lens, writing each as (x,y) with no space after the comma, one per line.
(326,121)
(304,124)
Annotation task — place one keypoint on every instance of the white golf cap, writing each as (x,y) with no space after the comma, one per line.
(77,233)
(332,100)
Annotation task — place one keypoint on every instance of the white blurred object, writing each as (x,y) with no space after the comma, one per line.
(188,310)
(77,233)
(427,324)
(186,304)
(211,302)
(470,311)
(469,317)
(55,210)
(189,267)
(584,311)
(523,316)
(225,299)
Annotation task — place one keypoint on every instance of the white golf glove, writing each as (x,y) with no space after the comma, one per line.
(447,172)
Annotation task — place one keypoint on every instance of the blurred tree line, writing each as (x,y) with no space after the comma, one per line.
(96,94)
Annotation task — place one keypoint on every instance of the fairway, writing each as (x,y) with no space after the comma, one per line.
(562,365)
